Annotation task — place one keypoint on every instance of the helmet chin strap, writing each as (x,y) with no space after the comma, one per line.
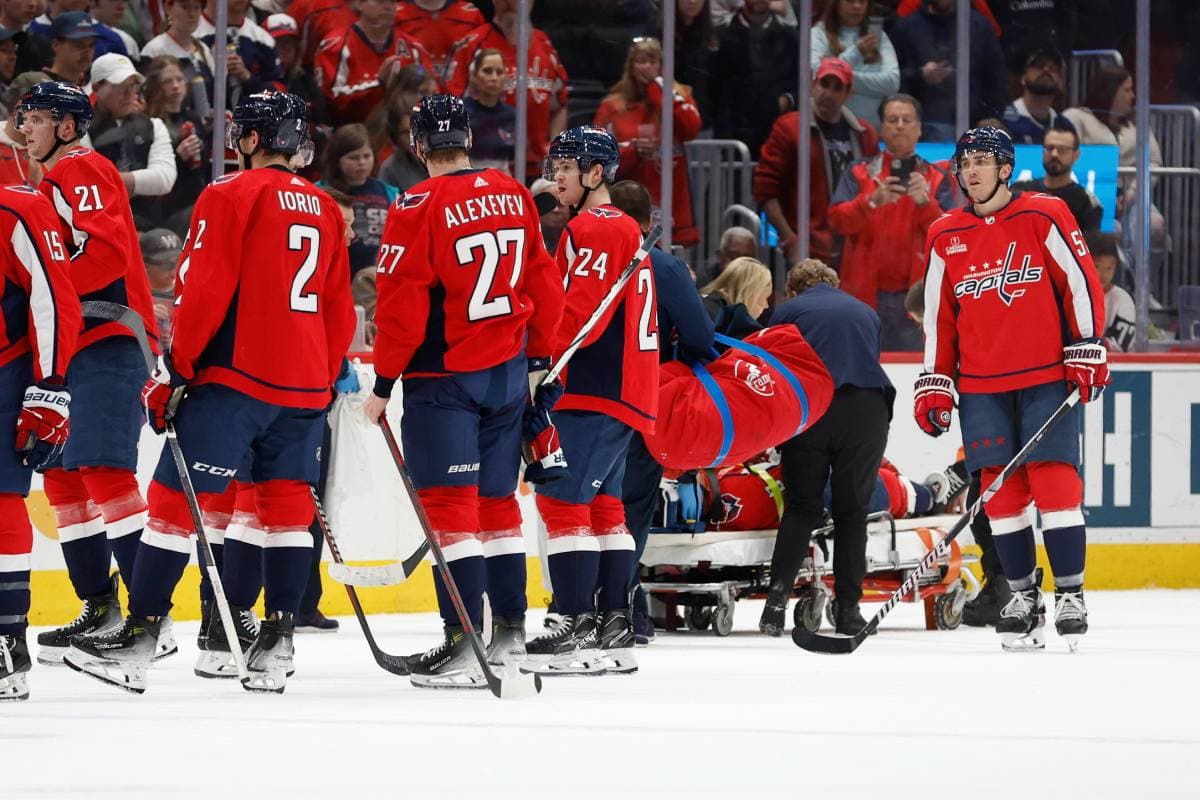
(58,142)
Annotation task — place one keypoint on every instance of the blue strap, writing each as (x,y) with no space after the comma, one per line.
(718,397)
(755,350)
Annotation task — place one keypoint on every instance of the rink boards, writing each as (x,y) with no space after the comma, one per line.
(1141,473)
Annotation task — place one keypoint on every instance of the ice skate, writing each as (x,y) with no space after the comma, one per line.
(120,657)
(948,486)
(570,649)
(1022,623)
(14,668)
(270,658)
(101,614)
(167,646)
(1070,616)
(507,648)
(984,610)
(216,659)
(449,665)
(616,641)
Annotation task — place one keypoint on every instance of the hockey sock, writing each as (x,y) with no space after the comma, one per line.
(470,576)
(504,555)
(217,516)
(1066,544)
(16,543)
(574,572)
(80,533)
(243,570)
(285,510)
(165,546)
(924,498)
(616,551)
(1015,546)
(121,504)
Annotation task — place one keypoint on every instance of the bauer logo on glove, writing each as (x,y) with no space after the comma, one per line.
(540,446)
(43,423)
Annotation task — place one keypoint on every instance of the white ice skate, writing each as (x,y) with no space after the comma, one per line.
(449,665)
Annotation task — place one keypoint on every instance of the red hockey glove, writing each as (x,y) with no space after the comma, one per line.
(540,447)
(161,395)
(43,423)
(933,403)
(1086,364)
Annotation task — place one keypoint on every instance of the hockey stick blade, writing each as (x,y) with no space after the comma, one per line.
(841,645)
(380,574)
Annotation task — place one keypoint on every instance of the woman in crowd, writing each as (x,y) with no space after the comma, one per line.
(737,297)
(633,112)
(844,32)
(349,162)
(166,93)
(194,56)
(493,122)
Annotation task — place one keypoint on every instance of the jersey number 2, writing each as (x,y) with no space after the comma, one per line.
(485,249)
(301,237)
(647,339)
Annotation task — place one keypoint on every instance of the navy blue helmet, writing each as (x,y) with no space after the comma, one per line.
(440,122)
(59,98)
(587,145)
(985,139)
(281,120)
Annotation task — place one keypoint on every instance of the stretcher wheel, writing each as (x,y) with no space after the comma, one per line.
(807,612)
(699,617)
(945,615)
(722,620)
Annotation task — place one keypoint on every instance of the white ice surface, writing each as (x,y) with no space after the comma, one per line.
(911,714)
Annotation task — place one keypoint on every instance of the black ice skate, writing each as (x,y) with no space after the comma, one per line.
(1022,623)
(449,665)
(615,641)
(1070,616)
(984,610)
(507,648)
(101,614)
(948,486)
(216,659)
(570,649)
(270,659)
(14,668)
(120,657)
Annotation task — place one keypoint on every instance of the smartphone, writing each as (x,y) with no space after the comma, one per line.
(875,26)
(902,168)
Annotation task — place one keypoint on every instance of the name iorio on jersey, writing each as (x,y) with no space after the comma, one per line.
(489,205)
(299,201)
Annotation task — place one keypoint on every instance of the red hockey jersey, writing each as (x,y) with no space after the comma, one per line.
(40,312)
(347,70)
(438,30)
(615,372)
(1005,293)
(263,295)
(97,226)
(318,19)
(462,271)
(547,81)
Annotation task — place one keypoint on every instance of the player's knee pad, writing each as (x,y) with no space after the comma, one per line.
(16,534)
(1058,492)
(451,508)
(1009,509)
(117,494)
(562,517)
(285,508)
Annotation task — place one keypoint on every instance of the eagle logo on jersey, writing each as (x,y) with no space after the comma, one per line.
(760,382)
(409,200)
(605,213)
(733,507)
(1002,279)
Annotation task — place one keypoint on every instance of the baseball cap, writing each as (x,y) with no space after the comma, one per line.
(281,25)
(20,85)
(160,247)
(1040,54)
(73,25)
(836,67)
(114,68)
(6,34)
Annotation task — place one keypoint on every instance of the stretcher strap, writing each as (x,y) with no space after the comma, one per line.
(755,350)
(773,487)
(718,397)
(953,569)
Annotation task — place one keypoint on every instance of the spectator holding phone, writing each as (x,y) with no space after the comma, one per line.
(845,31)
(882,208)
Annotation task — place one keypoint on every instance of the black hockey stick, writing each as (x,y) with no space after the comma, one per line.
(513,685)
(128,318)
(393,664)
(816,643)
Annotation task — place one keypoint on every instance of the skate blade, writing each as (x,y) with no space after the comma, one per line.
(165,649)
(215,664)
(567,665)
(619,662)
(1072,640)
(112,673)
(1023,642)
(51,656)
(265,681)
(14,687)
(459,679)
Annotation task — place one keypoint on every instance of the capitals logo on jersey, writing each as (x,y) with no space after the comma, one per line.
(1001,279)
(409,200)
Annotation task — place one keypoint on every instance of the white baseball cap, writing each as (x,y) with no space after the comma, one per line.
(114,68)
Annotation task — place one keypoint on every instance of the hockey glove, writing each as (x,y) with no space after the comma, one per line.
(43,423)
(1086,365)
(538,368)
(933,403)
(161,395)
(540,447)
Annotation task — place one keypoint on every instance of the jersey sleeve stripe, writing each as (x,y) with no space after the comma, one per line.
(935,274)
(1081,299)
(67,213)
(42,305)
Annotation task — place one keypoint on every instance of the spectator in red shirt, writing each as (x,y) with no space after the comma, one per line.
(547,78)
(349,61)
(319,19)
(632,112)
(438,24)
(839,138)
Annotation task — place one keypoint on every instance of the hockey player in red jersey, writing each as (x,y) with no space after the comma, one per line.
(469,301)
(1014,313)
(262,322)
(93,487)
(611,391)
(41,320)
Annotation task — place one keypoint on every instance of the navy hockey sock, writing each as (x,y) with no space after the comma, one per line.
(124,549)
(284,573)
(615,568)
(155,574)
(1065,547)
(574,574)
(14,594)
(470,576)
(924,498)
(88,559)
(243,567)
(1017,553)
(218,551)
(506,585)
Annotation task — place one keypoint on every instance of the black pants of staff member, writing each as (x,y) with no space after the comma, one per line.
(639,494)
(981,529)
(843,448)
(312,592)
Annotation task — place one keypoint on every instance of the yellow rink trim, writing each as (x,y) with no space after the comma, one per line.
(1109,566)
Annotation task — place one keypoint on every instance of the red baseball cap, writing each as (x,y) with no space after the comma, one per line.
(831,65)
